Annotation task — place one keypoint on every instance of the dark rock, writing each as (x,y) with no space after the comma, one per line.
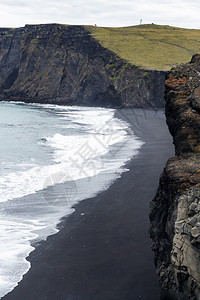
(175,210)
(195,58)
(66,65)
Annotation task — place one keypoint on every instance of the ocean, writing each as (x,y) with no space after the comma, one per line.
(52,157)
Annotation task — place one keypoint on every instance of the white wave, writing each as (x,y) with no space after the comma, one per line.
(76,153)
(81,165)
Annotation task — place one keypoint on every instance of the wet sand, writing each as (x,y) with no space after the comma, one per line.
(103,251)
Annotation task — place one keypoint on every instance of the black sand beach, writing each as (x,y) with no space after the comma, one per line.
(102,251)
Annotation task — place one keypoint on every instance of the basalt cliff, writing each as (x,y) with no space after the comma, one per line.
(175,210)
(65,65)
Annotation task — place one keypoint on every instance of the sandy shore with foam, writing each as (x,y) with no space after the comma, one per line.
(102,250)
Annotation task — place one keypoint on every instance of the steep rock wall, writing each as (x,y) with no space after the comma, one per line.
(66,65)
(175,210)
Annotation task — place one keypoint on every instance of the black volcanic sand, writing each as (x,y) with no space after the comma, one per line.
(105,254)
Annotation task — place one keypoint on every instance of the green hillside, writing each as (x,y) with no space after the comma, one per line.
(150,46)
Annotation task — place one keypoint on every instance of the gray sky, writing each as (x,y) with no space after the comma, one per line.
(181,13)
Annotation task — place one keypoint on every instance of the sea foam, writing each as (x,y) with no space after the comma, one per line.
(73,154)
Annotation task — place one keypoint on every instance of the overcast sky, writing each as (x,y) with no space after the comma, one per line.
(181,13)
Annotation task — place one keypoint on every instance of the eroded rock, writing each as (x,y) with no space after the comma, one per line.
(65,65)
(175,210)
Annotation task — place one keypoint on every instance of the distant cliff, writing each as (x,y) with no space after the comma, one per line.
(66,65)
(175,210)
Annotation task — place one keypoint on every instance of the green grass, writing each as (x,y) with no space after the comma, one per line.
(34,41)
(150,46)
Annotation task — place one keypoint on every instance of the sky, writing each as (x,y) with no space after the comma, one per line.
(113,13)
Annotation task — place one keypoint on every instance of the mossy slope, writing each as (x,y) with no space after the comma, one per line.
(151,46)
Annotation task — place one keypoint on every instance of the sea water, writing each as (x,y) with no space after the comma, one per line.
(52,157)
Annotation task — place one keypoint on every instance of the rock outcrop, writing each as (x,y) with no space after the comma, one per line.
(66,65)
(175,210)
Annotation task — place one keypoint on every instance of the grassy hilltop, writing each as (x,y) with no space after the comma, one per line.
(150,46)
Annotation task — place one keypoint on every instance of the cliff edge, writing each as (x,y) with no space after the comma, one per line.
(64,64)
(175,210)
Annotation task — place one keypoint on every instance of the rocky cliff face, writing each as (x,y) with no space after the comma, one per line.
(175,210)
(66,65)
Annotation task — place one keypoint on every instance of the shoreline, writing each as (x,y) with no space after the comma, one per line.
(102,250)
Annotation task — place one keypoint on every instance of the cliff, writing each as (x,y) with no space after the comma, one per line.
(175,210)
(66,65)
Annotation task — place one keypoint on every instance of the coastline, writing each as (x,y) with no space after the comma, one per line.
(102,250)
